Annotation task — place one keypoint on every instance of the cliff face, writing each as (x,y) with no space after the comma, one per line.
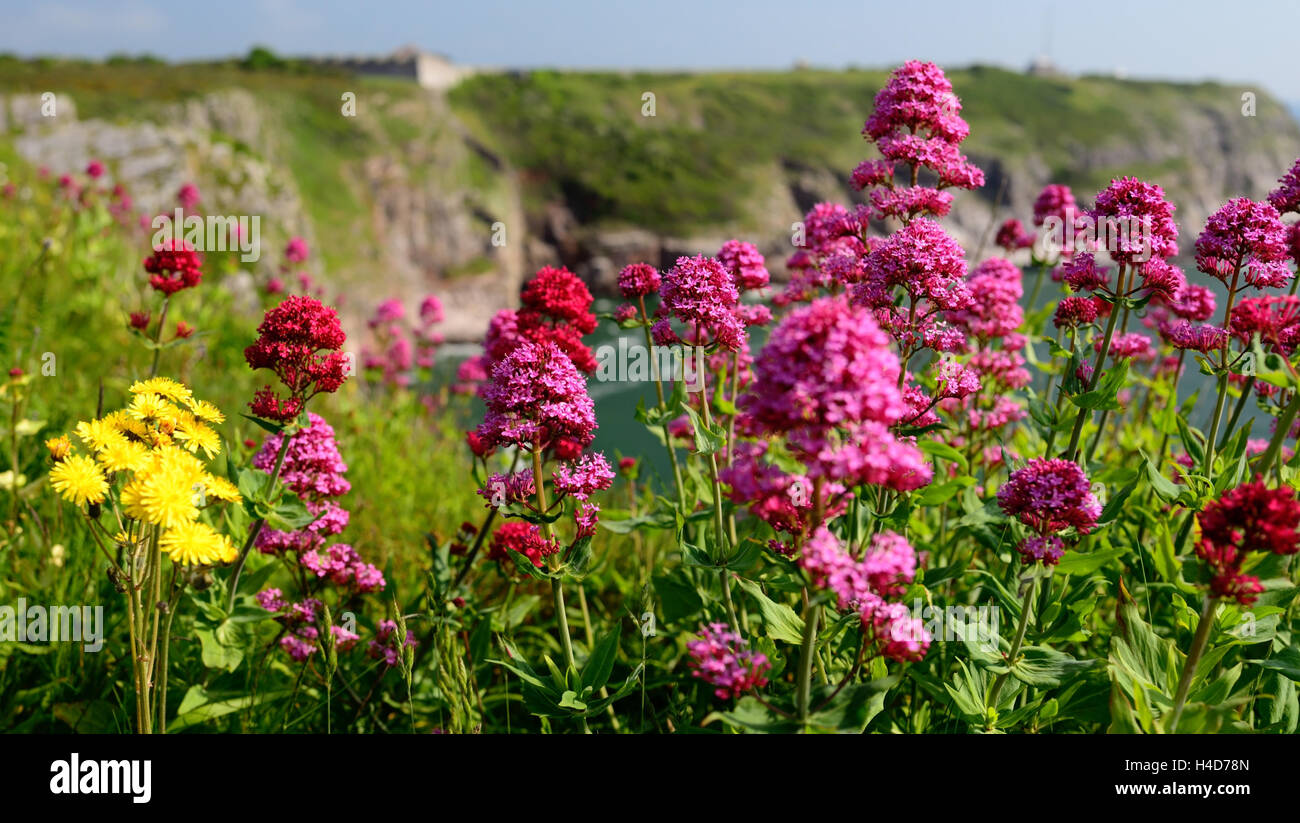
(465,194)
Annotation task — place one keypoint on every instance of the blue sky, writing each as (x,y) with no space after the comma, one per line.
(1247,42)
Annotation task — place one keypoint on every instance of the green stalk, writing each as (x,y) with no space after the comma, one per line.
(806,653)
(663,407)
(1072,451)
(1203,627)
(1283,431)
(1026,608)
(557,589)
(157,338)
(1237,410)
(1038,285)
(1207,466)
(285,437)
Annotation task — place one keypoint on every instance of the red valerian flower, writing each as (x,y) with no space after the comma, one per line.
(1253,518)
(1247,237)
(174,267)
(560,295)
(299,341)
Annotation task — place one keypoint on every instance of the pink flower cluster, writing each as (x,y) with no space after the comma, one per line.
(916,124)
(1128,199)
(398,347)
(828,381)
(313,469)
(1049,495)
(861,584)
(538,398)
(720,657)
(701,294)
(1245,237)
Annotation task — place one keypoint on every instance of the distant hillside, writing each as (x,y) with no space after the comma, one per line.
(403,197)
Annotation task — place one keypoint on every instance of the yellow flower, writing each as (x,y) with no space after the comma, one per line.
(79,480)
(204,410)
(219,488)
(166,493)
(194,435)
(98,434)
(127,456)
(123,422)
(60,447)
(150,406)
(164,386)
(196,544)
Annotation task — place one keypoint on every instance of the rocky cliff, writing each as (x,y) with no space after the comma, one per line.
(464,194)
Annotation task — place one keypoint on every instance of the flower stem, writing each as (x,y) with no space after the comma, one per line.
(1211,439)
(1072,451)
(1193,658)
(812,613)
(1026,608)
(663,407)
(1283,431)
(285,437)
(1237,410)
(157,338)
(557,588)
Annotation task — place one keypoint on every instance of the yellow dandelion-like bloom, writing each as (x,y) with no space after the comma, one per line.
(164,387)
(205,411)
(226,550)
(219,488)
(79,480)
(127,456)
(125,424)
(98,434)
(192,434)
(149,406)
(188,468)
(165,498)
(194,544)
(60,447)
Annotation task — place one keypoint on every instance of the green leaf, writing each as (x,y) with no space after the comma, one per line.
(1106,396)
(654,520)
(221,646)
(1042,667)
(708,439)
(198,706)
(526,566)
(678,601)
(1081,563)
(600,665)
(1160,484)
(290,514)
(1116,503)
(1285,662)
(779,620)
(934,448)
(578,557)
(272,427)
